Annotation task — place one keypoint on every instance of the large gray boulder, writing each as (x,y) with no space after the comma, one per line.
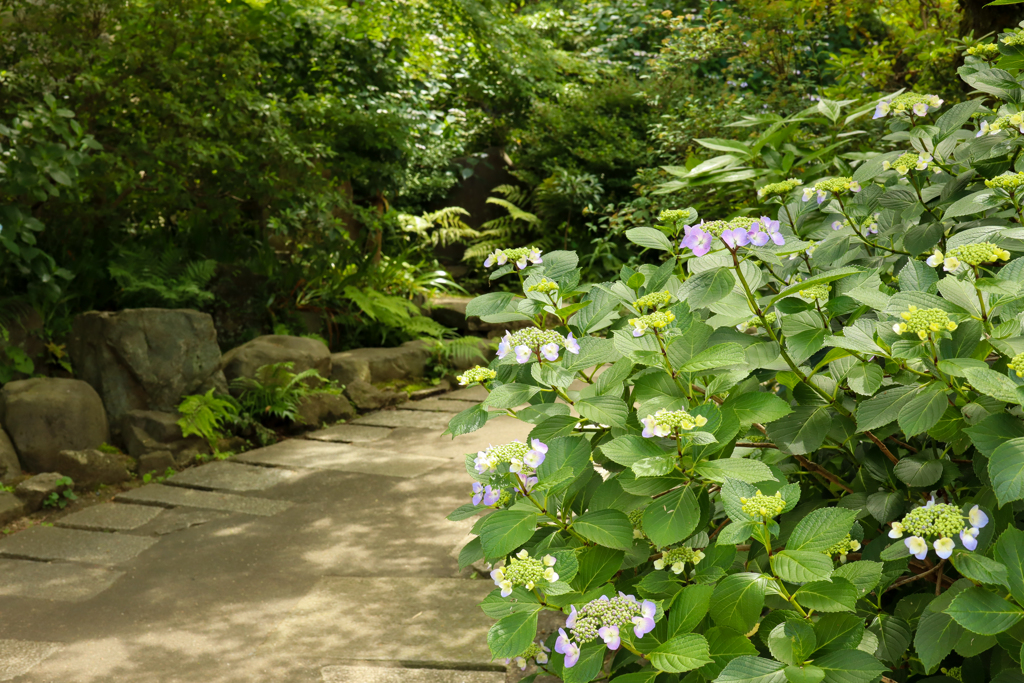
(365,396)
(319,409)
(303,353)
(375,365)
(35,490)
(45,416)
(10,468)
(146,358)
(90,467)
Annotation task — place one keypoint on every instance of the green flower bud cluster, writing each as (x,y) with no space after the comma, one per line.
(658,320)
(940,520)
(837,185)
(770,318)
(544,286)
(636,518)
(652,300)
(672,216)
(816,292)
(780,188)
(532,652)
(716,228)
(1017,364)
(535,338)
(844,547)
(1006,181)
(528,571)
(923,321)
(763,506)
(615,611)
(908,162)
(976,254)
(516,254)
(984,50)
(475,375)
(675,558)
(508,453)
(1014,38)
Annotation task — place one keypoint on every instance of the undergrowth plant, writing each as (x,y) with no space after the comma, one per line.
(208,415)
(277,392)
(789,447)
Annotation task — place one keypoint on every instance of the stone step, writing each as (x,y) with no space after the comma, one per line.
(47,543)
(475,393)
(426,621)
(110,517)
(438,405)
(391,674)
(230,476)
(342,457)
(18,657)
(350,433)
(60,581)
(406,418)
(176,496)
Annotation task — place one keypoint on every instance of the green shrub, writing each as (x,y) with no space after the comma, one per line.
(276,392)
(786,447)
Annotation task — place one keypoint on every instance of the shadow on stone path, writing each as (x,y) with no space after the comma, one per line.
(327,559)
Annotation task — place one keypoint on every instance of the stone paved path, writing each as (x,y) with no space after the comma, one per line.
(326,559)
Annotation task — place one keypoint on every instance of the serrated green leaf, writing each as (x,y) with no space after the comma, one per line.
(802,566)
(821,529)
(707,287)
(750,471)
(671,518)
(936,635)
(1009,550)
(980,611)
(503,531)
(649,238)
(718,356)
(792,642)
(738,600)
(802,431)
(759,407)
(609,528)
(752,670)
(979,568)
(850,666)
(839,595)
(512,634)
(919,472)
(681,653)
(1006,469)
(609,410)
(923,410)
(994,384)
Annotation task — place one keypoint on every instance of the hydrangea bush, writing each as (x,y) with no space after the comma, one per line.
(791,446)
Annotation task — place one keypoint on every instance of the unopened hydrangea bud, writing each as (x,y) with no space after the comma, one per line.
(476,375)
(526,571)
(532,341)
(636,518)
(1011,123)
(763,506)
(1017,364)
(907,104)
(924,322)
(1007,181)
(544,286)
(836,186)
(976,254)
(676,558)
(770,318)
(816,292)
(603,618)
(984,50)
(652,300)
(1013,38)
(656,320)
(939,521)
(780,188)
(909,162)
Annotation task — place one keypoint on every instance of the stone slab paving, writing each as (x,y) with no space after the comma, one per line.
(110,517)
(176,519)
(390,619)
(72,545)
(230,476)
(475,393)
(350,433)
(61,581)
(438,405)
(175,496)
(390,674)
(406,418)
(17,657)
(343,458)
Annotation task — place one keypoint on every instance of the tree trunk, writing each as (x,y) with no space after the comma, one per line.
(981,20)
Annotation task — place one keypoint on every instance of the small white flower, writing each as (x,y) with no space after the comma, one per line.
(969,537)
(944,547)
(549,560)
(659,564)
(896,531)
(935,259)
(522,554)
(550,575)
(898,330)
(808,193)
(950,263)
(977,517)
(917,546)
(920,108)
(677,568)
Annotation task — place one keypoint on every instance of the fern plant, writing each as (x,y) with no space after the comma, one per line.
(276,391)
(439,228)
(164,277)
(517,227)
(447,355)
(207,416)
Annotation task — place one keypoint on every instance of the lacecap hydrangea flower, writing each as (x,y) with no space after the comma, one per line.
(544,286)
(1011,123)
(476,375)
(908,162)
(521,459)
(656,321)
(488,495)
(816,292)
(676,559)
(602,618)
(984,50)
(836,186)
(770,318)
(971,254)
(736,233)
(924,321)
(532,341)
(1009,182)
(844,547)
(523,570)
(907,104)
(652,300)
(537,651)
(939,521)
(1013,38)
(522,257)
(666,422)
